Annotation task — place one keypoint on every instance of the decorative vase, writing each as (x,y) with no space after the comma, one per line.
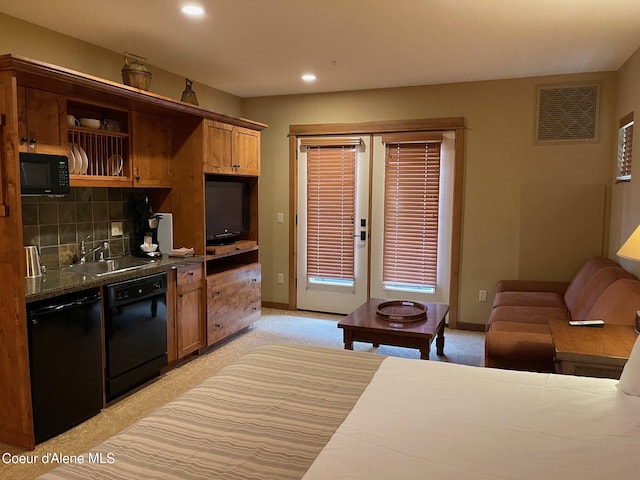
(188,95)
(135,72)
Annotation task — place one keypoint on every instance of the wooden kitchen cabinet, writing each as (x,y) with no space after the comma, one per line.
(162,144)
(41,116)
(152,151)
(189,324)
(233,301)
(231,149)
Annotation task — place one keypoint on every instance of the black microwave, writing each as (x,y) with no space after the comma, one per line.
(44,174)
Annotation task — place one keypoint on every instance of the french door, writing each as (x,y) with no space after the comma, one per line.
(397,191)
(333,204)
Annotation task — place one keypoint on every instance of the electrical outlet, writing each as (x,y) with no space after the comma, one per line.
(482,296)
(280,278)
(116,229)
(280,217)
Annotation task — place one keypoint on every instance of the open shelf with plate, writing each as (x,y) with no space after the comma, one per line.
(98,145)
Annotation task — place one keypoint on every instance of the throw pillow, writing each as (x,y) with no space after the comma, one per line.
(630,378)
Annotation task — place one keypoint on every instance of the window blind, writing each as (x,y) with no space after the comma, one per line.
(411,208)
(625,147)
(331,191)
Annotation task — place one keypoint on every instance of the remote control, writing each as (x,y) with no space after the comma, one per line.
(587,323)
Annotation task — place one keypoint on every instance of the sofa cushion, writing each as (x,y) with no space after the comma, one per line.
(526,314)
(528,299)
(592,289)
(519,351)
(519,327)
(588,269)
(531,286)
(618,303)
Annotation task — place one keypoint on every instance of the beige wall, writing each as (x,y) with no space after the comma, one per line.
(27,40)
(500,159)
(625,198)
(500,155)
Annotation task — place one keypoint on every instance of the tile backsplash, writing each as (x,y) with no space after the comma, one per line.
(58,225)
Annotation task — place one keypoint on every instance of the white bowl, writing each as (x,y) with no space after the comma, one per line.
(90,122)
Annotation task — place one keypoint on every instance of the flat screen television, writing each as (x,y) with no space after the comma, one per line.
(227,211)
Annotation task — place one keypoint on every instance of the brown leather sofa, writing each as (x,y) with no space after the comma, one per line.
(518,335)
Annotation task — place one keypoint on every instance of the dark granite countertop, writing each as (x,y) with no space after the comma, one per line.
(57,282)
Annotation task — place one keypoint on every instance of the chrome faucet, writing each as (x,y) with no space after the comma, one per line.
(83,255)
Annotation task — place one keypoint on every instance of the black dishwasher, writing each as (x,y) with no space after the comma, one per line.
(65,355)
(135,332)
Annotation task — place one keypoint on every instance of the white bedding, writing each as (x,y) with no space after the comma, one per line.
(432,420)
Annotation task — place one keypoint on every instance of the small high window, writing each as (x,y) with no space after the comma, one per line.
(625,148)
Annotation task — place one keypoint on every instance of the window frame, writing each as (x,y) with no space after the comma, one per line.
(624,153)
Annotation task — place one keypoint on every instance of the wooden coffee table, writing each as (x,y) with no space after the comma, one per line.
(362,325)
(591,351)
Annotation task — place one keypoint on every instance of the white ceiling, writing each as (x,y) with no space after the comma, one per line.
(262,47)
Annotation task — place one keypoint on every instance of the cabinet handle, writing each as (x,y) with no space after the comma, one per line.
(181,295)
(190,273)
(137,178)
(32,142)
(218,325)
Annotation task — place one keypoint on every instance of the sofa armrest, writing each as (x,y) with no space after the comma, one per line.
(531,286)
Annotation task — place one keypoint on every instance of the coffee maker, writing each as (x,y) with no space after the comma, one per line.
(144,242)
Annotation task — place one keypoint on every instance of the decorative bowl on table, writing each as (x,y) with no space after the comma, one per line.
(401,311)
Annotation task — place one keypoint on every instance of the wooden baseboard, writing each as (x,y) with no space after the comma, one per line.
(475,327)
(279,306)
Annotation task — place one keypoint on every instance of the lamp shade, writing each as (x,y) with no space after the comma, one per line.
(631,248)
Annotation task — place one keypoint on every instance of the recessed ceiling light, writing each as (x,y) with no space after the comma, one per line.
(193,10)
(308,77)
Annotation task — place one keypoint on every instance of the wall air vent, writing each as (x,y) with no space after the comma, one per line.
(567,114)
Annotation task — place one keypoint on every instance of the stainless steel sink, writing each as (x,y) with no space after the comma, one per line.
(104,268)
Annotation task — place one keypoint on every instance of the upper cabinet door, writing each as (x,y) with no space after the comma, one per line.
(151,150)
(40,119)
(246,151)
(217,147)
(231,150)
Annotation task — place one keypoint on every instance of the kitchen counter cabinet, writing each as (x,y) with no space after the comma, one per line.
(231,149)
(56,282)
(41,116)
(233,301)
(190,328)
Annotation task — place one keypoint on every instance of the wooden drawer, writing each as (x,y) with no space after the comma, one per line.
(189,273)
(233,301)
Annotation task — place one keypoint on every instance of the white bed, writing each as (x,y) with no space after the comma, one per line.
(299,412)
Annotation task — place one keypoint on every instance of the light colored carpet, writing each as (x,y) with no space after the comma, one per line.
(275,326)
